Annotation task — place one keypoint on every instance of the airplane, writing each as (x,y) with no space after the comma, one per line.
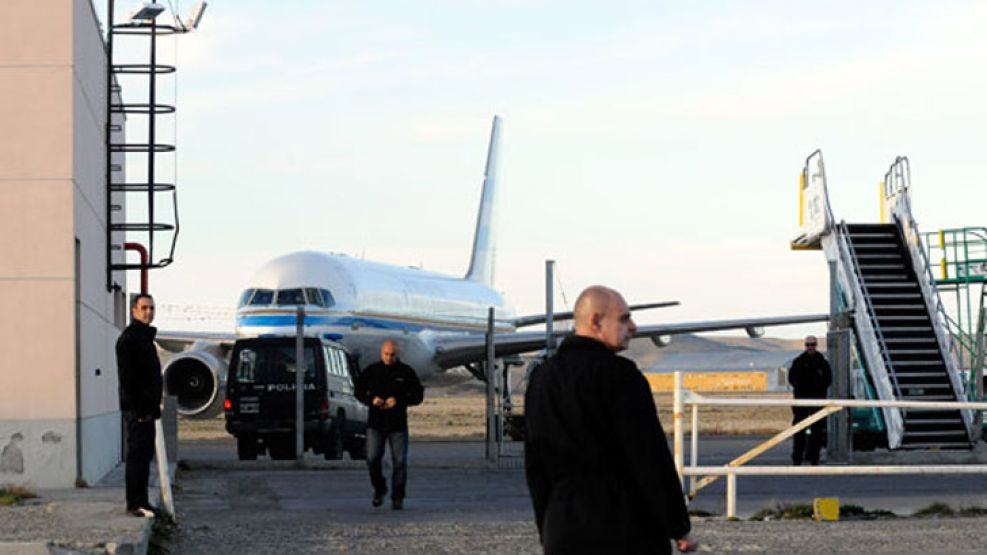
(439,321)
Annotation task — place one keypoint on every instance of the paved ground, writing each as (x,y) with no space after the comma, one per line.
(81,520)
(457,505)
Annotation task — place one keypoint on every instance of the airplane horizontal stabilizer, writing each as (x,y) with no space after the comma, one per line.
(536,319)
(457,351)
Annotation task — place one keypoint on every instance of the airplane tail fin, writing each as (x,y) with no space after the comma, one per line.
(484,248)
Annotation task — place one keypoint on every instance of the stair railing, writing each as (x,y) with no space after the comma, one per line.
(869,334)
(897,185)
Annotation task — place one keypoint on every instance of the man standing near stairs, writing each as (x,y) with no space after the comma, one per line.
(810,377)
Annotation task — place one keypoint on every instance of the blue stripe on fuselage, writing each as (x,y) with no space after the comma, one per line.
(290,321)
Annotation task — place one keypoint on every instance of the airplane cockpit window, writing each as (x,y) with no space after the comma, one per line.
(262,296)
(314,297)
(327,299)
(291,296)
(245,297)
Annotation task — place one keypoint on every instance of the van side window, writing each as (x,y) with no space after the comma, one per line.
(247,364)
(331,361)
(343,366)
(335,361)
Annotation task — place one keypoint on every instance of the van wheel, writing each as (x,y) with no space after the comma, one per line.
(334,443)
(358,448)
(246,448)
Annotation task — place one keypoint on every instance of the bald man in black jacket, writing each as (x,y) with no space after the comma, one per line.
(601,477)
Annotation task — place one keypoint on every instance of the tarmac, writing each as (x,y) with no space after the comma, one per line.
(77,521)
(92,520)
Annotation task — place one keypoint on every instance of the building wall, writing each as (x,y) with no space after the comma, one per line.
(58,412)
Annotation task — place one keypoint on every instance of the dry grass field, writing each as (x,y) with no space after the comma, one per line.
(461,417)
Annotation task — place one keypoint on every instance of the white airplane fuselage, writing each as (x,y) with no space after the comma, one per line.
(370,302)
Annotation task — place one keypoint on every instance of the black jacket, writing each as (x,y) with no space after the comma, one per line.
(397,380)
(601,477)
(139,371)
(810,376)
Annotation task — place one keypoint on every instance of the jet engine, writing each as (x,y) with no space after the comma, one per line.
(661,341)
(755,332)
(197,378)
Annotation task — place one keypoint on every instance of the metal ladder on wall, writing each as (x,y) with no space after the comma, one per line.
(146,230)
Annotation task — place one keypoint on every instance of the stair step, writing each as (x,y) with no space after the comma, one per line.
(910,421)
(884,277)
(910,339)
(944,445)
(878,256)
(871,267)
(902,318)
(927,433)
(892,329)
(895,296)
(909,397)
(889,288)
(858,235)
(916,375)
(876,246)
(918,363)
(915,306)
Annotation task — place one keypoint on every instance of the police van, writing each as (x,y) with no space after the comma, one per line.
(260,399)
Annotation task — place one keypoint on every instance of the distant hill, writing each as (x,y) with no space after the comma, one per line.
(646,354)
(457,381)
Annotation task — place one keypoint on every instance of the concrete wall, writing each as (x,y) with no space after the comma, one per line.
(59,420)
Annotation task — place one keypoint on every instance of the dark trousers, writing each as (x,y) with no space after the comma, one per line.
(140,451)
(817,437)
(399,461)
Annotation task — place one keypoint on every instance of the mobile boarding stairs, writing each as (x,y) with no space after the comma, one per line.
(902,339)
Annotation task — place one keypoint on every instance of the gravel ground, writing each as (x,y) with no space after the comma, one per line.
(269,507)
(318,533)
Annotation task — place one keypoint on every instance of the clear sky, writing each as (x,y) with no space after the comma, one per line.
(652,146)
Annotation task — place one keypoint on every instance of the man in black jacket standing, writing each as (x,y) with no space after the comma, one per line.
(388,387)
(599,471)
(810,377)
(139,376)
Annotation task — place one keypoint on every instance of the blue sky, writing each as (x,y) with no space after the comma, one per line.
(651,146)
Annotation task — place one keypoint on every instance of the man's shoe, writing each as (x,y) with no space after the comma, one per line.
(397,504)
(378,500)
(141,512)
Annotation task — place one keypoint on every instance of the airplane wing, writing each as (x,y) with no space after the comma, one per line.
(459,350)
(178,341)
(535,319)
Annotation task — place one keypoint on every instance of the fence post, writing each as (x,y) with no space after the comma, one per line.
(732,495)
(694,455)
(839,444)
(677,427)
(489,373)
(300,370)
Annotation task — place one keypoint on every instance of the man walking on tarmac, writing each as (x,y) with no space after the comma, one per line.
(388,387)
(139,376)
(598,467)
(810,377)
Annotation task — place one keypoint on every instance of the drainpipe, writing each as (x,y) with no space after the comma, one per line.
(144,260)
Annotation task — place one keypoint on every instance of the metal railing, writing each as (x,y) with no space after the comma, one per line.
(682,396)
(897,182)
